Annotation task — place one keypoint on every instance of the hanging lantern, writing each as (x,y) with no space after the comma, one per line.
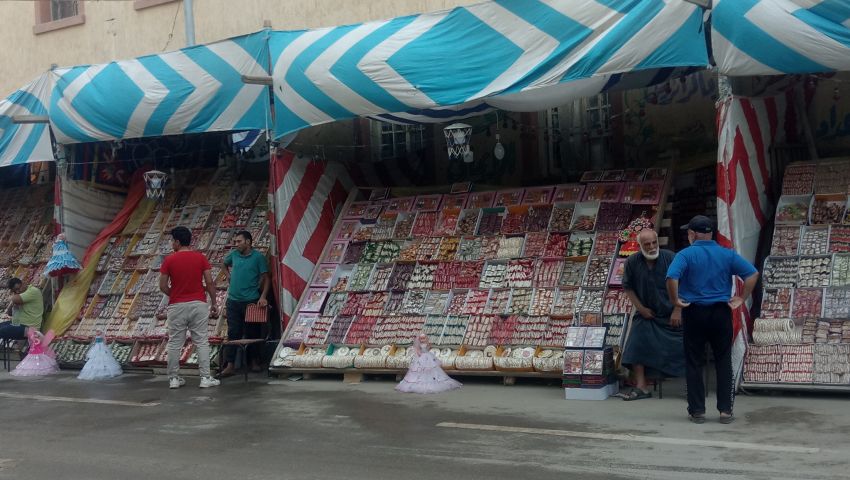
(155,184)
(457,139)
(499,149)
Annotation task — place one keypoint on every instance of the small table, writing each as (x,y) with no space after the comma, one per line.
(243,347)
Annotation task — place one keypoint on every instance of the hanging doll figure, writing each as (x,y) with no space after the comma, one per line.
(62,262)
(425,374)
(100,363)
(41,360)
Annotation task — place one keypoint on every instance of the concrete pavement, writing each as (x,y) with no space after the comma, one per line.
(136,428)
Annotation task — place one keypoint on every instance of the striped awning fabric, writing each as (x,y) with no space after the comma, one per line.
(519,55)
(770,37)
(25,142)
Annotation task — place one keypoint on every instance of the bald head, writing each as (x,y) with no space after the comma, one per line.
(648,241)
(647,235)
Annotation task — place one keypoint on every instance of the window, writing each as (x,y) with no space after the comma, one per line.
(599,115)
(396,140)
(553,137)
(56,14)
(60,9)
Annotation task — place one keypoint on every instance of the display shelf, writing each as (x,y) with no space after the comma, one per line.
(482,276)
(26,235)
(796,387)
(805,296)
(125,301)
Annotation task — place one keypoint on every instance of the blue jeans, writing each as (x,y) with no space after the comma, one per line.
(14,332)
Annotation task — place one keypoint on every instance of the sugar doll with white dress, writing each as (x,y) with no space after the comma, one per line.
(100,363)
(425,374)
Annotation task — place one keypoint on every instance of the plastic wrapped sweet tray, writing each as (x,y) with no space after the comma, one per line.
(311,357)
(515,359)
(480,360)
(372,357)
(401,358)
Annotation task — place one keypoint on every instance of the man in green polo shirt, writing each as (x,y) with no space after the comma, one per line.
(248,273)
(26,308)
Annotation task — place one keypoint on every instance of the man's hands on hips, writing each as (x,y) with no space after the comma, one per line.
(735,302)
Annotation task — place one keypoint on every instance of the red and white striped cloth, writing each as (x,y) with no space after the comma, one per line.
(306,196)
(747,128)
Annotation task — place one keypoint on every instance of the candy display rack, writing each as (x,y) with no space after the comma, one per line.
(124,300)
(802,336)
(588,364)
(26,235)
(495,277)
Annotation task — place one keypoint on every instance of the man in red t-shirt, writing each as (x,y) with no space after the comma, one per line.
(181,278)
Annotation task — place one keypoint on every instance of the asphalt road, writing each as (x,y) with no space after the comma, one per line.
(135,428)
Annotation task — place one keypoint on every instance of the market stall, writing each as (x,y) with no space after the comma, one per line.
(797,337)
(432,67)
(494,278)
(123,299)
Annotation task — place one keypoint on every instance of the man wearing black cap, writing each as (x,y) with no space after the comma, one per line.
(700,281)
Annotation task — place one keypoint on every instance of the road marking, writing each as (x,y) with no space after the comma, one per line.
(46,398)
(624,437)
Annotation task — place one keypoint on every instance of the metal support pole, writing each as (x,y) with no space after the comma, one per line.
(189,17)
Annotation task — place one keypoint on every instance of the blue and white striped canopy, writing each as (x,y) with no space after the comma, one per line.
(25,143)
(519,55)
(196,89)
(768,37)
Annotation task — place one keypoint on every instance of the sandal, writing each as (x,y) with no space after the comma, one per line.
(726,418)
(698,418)
(637,394)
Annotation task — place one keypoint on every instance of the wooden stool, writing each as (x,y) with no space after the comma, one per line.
(243,347)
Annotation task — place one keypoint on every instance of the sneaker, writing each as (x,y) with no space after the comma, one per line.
(176,382)
(207,382)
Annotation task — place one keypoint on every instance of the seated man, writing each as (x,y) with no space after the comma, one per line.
(654,345)
(26,308)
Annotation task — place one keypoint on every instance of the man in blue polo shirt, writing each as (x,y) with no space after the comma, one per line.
(700,281)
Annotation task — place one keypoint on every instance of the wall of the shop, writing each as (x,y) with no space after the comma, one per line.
(829,115)
(115,30)
(335,141)
(85,212)
(676,115)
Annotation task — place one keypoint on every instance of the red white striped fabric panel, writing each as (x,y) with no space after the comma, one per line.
(747,127)
(307,195)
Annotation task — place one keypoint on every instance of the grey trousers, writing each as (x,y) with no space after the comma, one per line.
(191,316)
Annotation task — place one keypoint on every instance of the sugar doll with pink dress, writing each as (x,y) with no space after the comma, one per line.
(41,360)
(425,374)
